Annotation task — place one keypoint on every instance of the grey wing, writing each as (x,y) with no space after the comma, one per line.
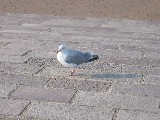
(76,57)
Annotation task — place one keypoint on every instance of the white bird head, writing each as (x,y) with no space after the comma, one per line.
(61,47)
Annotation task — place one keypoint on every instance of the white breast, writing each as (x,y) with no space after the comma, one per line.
(61,58)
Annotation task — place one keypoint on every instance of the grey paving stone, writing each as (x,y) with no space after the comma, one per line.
(71,22)
(64,111)
(63,72)
(78,84)
(152,55)
(12,59)
(147,49)
(121,101)
(136,115)
(53,71)
(5,89)
(11,51)
(12,107)
(136,89)
(5,117)
(153,70)
(50,62)
(43,94)
(19,31)
(22,79)
(101,66)
(134,69)
(139,69)
(2,44)
(19,68)
(152,80)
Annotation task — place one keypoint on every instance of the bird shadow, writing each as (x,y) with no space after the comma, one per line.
(115,76)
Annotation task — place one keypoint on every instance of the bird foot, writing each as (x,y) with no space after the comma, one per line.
(71,73)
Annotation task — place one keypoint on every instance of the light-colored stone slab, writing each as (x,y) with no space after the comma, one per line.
(5,89)
(43,94)
(86,85)
(64,111)
(136,89)
(152,80)
(136,115)
(22,79)
(6,117)
(12,107)
(117,101)
(19,68)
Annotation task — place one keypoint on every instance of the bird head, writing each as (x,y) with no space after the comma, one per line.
(61,47)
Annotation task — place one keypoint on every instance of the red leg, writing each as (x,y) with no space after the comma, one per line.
(72,72)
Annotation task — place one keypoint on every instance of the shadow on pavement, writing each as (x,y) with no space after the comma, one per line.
(115,76)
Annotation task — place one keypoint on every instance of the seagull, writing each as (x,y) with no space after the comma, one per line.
(73,58)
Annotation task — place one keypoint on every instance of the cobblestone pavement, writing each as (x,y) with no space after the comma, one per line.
(124,84)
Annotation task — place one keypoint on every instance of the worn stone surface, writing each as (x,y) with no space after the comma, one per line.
(65,111)
(19,68)
(12,107)
(86,85)
(42,94)
(5,89)
(124,81)
(4,117)
(19,79)
(152,80)
(121,101)
(136,89)
(136,115)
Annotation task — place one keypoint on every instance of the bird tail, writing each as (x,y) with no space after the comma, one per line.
(94,57)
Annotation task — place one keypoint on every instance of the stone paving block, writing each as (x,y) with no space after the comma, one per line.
(71,22)
(78,84)
(153,70)
(63,72)
(133,61)
(43,94)
(101,66)
(32,45)
(152,55)
(130,102)
(19,68)
(11,51)
(139,69)
(43,62)
(136,115)
(152,80)
(2,44)
(64,111)
(22,79)
(134,69)
(13,59)
(136,89)
(19,31)
(53,71)
(5,89)
(18,35)
(41,54)
(5,117)
(12,107)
